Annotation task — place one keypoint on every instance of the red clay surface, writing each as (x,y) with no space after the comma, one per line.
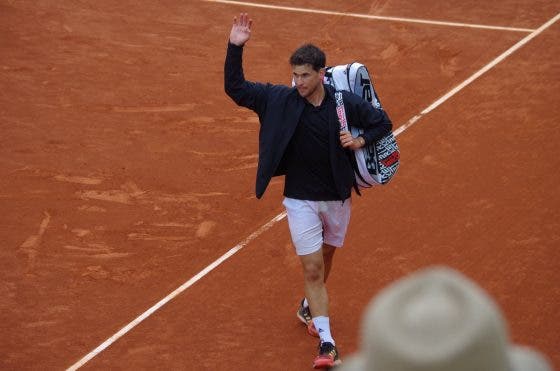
(125,170)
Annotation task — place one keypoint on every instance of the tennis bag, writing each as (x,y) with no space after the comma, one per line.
(377,163)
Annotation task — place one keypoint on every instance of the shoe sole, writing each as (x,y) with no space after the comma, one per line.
(310,327)
(312,331)
(325,363)
(301,318)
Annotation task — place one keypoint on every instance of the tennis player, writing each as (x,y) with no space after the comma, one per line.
(300,138)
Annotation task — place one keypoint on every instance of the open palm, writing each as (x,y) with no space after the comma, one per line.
(241,30)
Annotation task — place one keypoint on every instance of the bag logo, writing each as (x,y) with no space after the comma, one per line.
(391,159)
(366,93)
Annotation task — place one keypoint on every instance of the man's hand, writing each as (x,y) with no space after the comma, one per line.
(348,141)
(241,30)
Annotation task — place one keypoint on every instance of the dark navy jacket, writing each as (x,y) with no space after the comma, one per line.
(279,109)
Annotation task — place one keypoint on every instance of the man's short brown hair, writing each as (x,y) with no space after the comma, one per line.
(309,54)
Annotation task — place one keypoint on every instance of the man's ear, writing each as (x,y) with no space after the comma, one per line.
(322,72)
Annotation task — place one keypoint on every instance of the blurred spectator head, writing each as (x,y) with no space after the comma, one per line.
(438,320)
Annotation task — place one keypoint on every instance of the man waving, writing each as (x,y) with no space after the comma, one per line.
(299,137)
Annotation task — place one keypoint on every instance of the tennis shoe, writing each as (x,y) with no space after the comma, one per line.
(304,315)
(328,356)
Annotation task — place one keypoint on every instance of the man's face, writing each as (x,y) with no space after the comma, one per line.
(307,80)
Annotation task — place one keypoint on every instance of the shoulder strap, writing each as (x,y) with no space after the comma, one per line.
(340,111)
(348,68)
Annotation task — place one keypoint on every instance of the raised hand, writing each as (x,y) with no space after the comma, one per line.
(241,30)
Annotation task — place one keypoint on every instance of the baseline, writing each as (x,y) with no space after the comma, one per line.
(368,16)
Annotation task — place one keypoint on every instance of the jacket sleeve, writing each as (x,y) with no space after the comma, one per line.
(374,122)
(242,92)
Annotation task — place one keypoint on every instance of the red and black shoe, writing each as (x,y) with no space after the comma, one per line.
(328,356)
(304,315)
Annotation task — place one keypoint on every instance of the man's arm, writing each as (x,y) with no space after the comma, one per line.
(243,92)
(375,123)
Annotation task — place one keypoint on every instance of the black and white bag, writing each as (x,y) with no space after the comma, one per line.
(376,163)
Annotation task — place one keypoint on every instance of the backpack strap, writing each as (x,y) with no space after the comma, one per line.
(348,68)
(340,111)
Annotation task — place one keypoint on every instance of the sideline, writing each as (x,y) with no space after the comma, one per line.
(369,16)
(477,74)
(282,215)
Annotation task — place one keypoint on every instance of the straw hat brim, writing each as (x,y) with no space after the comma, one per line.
(521,359)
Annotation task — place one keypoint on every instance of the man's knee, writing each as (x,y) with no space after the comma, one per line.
(313,271)
(328,251)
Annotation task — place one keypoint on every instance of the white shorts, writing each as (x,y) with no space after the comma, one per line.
(313,223)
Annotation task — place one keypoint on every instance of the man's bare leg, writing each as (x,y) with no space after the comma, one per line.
(328,254)
(316,292)
(314,283)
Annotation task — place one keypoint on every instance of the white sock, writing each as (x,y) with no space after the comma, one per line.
(305,303)
(323,328)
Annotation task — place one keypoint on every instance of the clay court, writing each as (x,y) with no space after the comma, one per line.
(127,173)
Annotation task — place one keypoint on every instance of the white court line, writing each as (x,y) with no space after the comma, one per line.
(368,16)
(477,74)
(176,292)
(282,215)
